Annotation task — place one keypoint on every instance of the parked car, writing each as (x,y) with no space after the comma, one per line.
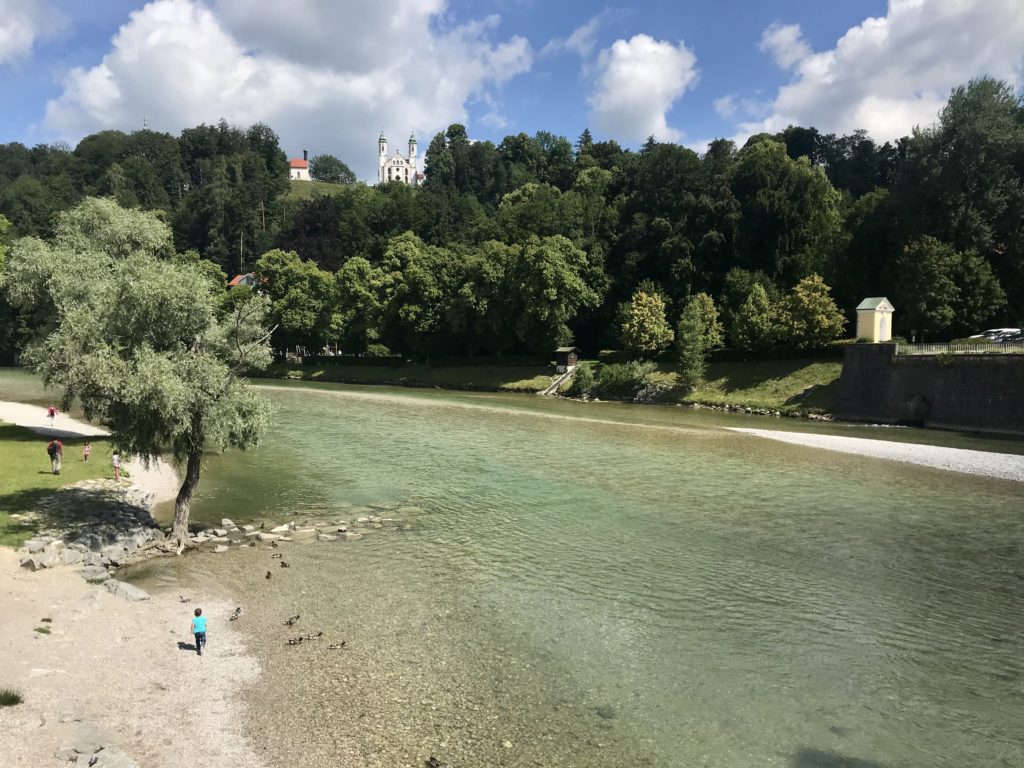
(998,335)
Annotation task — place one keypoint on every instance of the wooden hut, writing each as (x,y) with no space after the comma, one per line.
(566,358)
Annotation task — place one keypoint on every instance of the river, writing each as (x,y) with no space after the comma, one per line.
(607,585)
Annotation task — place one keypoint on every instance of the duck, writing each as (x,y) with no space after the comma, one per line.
(292,620)
(337,646)
(236,614)
(252,542)
(276,554)
(183,599)
(285,565)
(269,575)
(273,544)
(433,762)
(295,640)
(317,636)
(262,525)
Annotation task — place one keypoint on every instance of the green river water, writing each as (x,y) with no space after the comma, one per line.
(607,585)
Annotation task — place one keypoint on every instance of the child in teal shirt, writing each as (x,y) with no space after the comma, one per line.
(199,630)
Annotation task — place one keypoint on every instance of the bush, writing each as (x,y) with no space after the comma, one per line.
(582,381)
(9,698)
(623,379)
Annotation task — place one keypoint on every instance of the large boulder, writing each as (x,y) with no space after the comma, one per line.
(127,591)
(70,557)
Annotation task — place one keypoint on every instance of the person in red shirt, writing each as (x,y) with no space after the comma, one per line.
(55,449)
(51,414)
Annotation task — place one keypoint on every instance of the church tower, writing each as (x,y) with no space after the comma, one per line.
(396,167)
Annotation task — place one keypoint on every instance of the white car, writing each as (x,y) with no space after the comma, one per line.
(998,334)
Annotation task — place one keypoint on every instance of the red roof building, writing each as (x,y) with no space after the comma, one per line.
(298,169)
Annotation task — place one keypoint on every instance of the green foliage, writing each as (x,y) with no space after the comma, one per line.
(330,169)
(695,329)
(582,382)
(713,335)
(755,325)
(808,317)
(645,330)
(302,299)
(9,697)
(143,342)
(623,380)
(941,288)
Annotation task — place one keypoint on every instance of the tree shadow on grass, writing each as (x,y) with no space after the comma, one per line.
(816,758)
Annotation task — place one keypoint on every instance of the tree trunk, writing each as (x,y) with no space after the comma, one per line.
(183,502)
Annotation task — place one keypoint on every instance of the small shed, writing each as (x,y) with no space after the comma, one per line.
(566,358)
(249,280)
(874,319)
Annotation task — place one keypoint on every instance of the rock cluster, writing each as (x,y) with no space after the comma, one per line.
(96,524)
(228,534)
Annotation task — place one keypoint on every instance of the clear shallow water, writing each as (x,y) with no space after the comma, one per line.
(660,593)
(607,586)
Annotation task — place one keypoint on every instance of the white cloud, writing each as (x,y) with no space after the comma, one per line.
(638,82)
(22,23)
(892,73)
(731,105)
(326,76)
(786,44)
(582,41)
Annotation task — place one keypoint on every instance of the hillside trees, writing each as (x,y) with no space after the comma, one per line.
(330,169)
(146,343)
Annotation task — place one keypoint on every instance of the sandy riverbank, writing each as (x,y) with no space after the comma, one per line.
(158,480)
(1004,466)
(112,671)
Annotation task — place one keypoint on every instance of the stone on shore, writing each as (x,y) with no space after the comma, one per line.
(227,523)
(326,537)
(94,574)
(71,557)
(281,528)
(127,591)
(220,548)
(263,536)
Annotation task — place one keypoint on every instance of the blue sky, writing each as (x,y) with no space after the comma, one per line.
(329,76)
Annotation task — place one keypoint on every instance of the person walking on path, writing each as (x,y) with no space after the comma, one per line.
(56,451)
(51,414)
(199,630)
(116,460)
(86,451)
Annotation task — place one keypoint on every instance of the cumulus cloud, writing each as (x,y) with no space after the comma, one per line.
(892,73)
(731,105)
(785,43)
(638,82)
(22,24)
(326,76)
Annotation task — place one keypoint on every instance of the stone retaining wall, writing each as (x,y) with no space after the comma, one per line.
(979,393)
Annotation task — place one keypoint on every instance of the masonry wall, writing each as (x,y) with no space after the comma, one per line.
(983,393)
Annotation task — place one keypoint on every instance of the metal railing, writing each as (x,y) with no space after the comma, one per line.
(1006,348)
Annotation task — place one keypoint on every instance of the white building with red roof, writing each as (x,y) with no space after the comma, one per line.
(299,169)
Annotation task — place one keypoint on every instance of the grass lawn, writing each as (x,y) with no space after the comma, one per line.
(26,475)
(307,190)
(484,377)
(774,384)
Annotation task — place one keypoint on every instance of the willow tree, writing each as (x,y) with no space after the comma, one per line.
(146,341)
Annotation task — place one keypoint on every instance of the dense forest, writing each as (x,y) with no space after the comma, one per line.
(538,241)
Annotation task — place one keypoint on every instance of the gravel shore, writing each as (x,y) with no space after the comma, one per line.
(97,670)
(1004,466)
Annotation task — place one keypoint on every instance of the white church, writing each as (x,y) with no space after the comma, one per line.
(396,167)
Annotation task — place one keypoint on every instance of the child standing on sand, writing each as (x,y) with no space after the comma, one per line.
(51,413)
(116,460)
(199,630)
(86,450)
